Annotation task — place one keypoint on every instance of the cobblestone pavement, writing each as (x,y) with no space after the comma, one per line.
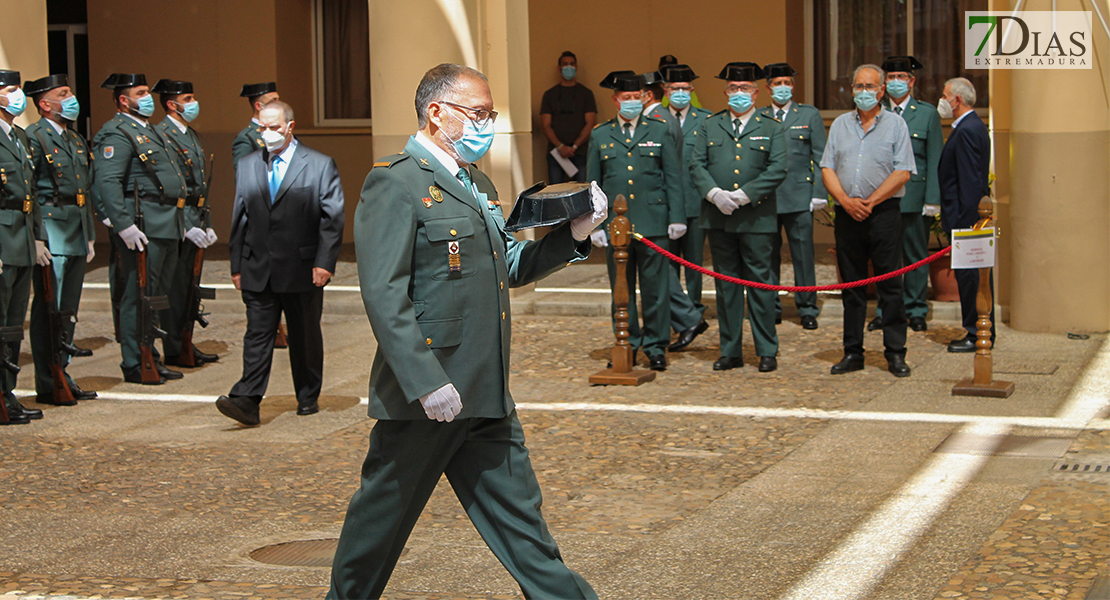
(164,498)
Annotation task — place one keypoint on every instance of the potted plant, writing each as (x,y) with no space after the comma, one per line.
(941,275)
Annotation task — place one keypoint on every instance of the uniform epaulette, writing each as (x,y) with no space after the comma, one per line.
(770,116)
(655,118)
(720,112)
(391,160)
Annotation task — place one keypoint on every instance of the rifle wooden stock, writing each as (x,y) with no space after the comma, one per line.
(187,358)
(149,371)
(8,334)
(58,344)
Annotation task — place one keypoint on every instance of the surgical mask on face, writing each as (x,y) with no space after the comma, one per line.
(569,72)
(70,108)
(782,94)
(474,142)
(680,99)
(630,109)
(945,109)
(865,99)
(273,140)
(740,102)
(897,88)
(190,110)
(17,103)
(146,106)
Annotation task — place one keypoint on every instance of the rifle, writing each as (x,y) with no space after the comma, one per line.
(13,333)
(58,344)
(196,293)
(147,305)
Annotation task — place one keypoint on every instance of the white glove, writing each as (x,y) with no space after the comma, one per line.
(92,253)
(107,222)
(817,204)
(597,238)
(723,200)
(581,227)
(197,236)
(134,238)
(211,233)
(676,230)
(931,210)
(442,404)
(739,197)
(42,254)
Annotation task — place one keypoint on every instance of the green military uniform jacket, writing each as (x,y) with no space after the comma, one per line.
(804,136)
(645,168)
(21,224)
(690,132)
(191,160)
(246,141)
(119,172)
(754,161)
(63,169)
(927,139)
(435,267)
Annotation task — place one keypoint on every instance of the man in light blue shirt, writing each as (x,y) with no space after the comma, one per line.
(867,161)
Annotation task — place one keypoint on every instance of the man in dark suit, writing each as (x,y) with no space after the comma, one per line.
(963,173)
(286,231)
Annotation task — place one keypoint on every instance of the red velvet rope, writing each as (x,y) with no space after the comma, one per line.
(793,288)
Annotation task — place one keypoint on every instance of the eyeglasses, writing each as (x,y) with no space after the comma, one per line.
(870,87)
(732,89)
(901,76)
(480,116)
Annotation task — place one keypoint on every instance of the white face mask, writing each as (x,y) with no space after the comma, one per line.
(272,139)
(944,108)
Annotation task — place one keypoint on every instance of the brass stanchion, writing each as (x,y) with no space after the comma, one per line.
(982,384)
(622,372)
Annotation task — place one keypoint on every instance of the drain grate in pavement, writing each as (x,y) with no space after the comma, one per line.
(303,553)
(1085,468)
(1024,446)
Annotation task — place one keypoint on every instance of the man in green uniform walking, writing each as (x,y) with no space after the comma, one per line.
(739,160)
(182,108)
(922,197)
(63,178)
(22,235)
(802,192)
(137,170)
(635,155)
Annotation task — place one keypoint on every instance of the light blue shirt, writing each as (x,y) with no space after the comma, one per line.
(279,167)
(862,159)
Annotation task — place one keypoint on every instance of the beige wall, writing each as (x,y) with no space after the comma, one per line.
(23,44)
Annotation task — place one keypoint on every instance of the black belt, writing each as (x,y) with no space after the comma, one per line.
(164,200)
(24,206)
(195,201)
(78,200)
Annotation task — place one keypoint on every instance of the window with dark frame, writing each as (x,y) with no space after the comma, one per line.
(343,62)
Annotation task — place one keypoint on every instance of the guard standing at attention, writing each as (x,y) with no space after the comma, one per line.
(22,238)
(63,178)
(802,192)
(136,168)
(182,108)
(739,161)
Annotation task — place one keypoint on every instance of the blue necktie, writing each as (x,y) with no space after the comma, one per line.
(275,179)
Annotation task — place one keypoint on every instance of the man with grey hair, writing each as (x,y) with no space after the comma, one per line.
(435,267)
(867,162)
(963,172)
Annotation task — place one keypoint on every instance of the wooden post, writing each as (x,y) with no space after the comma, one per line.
(622,371)
(981,384)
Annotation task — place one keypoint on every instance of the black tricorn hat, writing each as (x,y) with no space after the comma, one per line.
(904,64)
(545,205)
(774,70)
(667,60)
(9,78)
(623,81)
(251,90)
(116,81)
(678,74)
(41,86)
(652,78)
(171,87)
(741,71)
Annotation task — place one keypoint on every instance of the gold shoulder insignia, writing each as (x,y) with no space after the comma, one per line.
(382,164)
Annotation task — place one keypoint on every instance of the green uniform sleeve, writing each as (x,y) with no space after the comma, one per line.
(817,139)
(673,180)
(699,163)
(111,170)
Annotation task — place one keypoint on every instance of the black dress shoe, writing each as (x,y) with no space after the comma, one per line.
(687,335)
(16,419)
(82,352)
(875,324)
(308,408)
(897,366)
(658,362)
(167,372)
(768,364)
(850,362)
(204,357)
(18,408)
(809,322)
(135,375)
(918,324)
(966,344)
(240,408)
(80,394)
(728,362)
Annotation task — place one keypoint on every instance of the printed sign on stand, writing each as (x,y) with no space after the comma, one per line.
(973,248)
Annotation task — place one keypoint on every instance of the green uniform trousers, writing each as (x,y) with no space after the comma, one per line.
(179,284)
(161,259)
(487,465)
(69,276)
(746,256)
(15,292)
(686,307)
(798,227)
(915,284)
(652,336)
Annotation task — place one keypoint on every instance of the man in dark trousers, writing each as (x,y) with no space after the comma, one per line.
(963,172)
(286,231)
(435,267)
